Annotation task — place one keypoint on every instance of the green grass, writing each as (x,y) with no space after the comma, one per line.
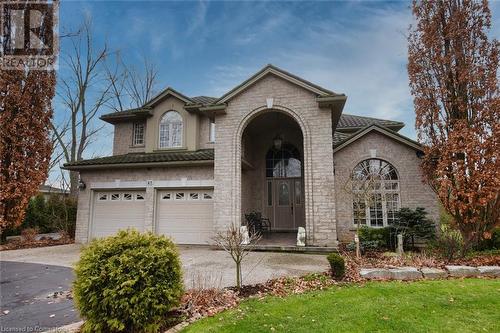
(470,305)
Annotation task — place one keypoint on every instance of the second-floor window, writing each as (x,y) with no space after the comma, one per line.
(138,137)
(171,128)
(211,131)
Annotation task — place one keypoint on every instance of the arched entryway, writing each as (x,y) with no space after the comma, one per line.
(272,173)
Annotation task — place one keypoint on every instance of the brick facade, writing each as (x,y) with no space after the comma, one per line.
(413,191)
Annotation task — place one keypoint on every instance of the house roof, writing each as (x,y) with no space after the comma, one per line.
(271,69)
(143,159)
(351,122)
(340,143)
(205,100)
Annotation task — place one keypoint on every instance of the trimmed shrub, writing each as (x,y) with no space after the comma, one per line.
(413,224)
(374,238)
(337,265)
(127,282)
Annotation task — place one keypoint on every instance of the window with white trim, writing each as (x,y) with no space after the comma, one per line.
(376,197)
(211,130)
(138,138)
(171,130)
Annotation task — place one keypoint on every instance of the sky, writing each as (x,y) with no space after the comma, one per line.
(206,48)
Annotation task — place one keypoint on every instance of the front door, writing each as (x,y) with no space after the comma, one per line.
(285,203)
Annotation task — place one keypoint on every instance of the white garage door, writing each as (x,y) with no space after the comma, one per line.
(185,215)
(117,210)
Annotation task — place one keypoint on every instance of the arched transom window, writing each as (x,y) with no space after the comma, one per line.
(171,130)
(375,186)
(283,162)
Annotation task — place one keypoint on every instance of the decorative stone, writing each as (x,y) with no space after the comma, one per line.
(492,271)
(405,273)
(245,238)
(375,273)
(462,271)
(301,237)
(434,273)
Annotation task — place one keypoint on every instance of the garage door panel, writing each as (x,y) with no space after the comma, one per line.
(186,215)
(117,210)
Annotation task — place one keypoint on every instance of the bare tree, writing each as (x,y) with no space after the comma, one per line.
(360,189)
(83,92)
(130,88)
(238,245)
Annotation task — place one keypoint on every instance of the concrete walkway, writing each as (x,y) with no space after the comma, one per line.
(202,266)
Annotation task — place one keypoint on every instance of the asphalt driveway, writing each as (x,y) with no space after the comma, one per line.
(30,276)
(33,297)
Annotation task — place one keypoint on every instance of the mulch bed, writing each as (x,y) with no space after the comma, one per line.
(17,244)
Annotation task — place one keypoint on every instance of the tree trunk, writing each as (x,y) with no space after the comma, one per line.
(73,184)
(238,275)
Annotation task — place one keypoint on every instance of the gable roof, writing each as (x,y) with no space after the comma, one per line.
(145,159)
(380,129)
(349,122)
(169,91)
(270,69)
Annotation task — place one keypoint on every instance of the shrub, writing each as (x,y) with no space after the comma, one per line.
(337,265)
(412,224)
(493,243)
(127,282)
(29,234)
(448,242)
(374,238)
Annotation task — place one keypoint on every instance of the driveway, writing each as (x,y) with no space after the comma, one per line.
(51,269)
(33,297)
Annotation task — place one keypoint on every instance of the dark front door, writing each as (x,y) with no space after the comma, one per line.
(285,203)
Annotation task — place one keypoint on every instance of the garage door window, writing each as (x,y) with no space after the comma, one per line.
(139,197)
(115,196)
(194,196)
(207,196)
(179,196)
(103,197)
(127,196)
(166,196)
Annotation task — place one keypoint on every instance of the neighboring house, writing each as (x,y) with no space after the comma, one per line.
(47,191)
(189,166)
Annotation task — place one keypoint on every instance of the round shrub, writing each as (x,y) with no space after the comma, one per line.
(337,264)
(127,282)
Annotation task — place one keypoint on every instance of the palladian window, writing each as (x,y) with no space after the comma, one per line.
(375,187)
(171,130)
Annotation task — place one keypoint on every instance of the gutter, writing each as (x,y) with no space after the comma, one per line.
(136,165)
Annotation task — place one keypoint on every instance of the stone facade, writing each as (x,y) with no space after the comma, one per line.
(413,191)
(316,126)
(121,177)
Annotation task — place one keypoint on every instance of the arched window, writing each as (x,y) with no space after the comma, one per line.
(171,128)
(283,162)
(375,187)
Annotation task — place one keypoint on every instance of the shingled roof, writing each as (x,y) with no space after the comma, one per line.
(167,157)
(204,99)
(350,122)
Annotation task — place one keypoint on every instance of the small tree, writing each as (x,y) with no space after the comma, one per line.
(236,243)
(360,189)
(413,223)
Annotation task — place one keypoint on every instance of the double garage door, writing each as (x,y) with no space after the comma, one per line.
(184,215)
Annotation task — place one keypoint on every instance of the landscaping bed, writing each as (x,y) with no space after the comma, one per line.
(27,244)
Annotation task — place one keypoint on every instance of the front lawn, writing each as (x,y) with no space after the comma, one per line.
(471,305)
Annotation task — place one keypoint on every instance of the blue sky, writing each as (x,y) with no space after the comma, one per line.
(206,48)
